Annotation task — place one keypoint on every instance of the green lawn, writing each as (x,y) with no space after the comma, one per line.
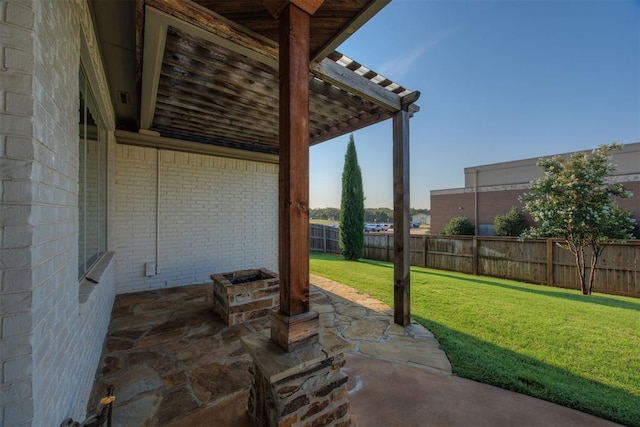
(552,343)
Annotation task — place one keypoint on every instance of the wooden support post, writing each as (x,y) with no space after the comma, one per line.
(401,224)
(294,325)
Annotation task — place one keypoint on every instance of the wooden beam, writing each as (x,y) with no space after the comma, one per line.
(144,140)
(204,23)
(294,161)
(371,10)
(294,325)
(276,7)
(409,99)
(401,225)
(331,133)
(155,37)
(345,79)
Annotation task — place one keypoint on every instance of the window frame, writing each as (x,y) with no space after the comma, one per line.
(87,256)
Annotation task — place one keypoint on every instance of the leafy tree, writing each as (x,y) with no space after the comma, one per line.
(575,202)
(325,213)
(512,223)
(378,215)
(458,226)
(351,206)
(414,211)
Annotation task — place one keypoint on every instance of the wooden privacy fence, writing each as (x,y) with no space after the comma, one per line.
(536,261)
(324,238)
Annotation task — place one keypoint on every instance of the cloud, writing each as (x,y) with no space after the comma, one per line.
(398,67)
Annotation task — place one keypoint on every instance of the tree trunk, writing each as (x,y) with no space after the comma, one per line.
(592,273)
(580,264)
(595,255)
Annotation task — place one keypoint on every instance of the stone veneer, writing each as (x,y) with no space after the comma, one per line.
(243,295)
(306,387)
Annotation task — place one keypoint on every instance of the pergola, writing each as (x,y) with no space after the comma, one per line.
(206,76)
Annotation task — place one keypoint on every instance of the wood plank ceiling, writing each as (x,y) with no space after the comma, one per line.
(215,93)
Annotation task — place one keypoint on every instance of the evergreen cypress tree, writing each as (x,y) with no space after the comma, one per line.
(351,206)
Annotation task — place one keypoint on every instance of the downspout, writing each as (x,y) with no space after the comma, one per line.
(475,200)
(157,208)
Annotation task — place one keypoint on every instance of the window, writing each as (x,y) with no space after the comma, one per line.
(92,182)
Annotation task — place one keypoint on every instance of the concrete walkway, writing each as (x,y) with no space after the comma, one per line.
(174,363)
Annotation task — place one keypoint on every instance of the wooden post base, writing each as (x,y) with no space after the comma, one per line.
(294,332)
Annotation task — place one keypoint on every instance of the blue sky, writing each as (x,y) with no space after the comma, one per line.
(499,80)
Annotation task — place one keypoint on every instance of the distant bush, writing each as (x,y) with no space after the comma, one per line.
(513,223)
(458,226)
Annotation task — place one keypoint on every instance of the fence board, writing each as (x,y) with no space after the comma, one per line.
(524,261)
(446,253)
(417,251)
(324,238)
(378,246)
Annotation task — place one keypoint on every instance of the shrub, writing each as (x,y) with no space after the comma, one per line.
(458,226)
(513,223)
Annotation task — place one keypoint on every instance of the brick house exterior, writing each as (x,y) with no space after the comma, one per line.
(500,185)
(196,242)
(52,325)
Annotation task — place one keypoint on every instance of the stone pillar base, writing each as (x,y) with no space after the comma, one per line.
(303,387)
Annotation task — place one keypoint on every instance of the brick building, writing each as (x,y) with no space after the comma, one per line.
(493,189)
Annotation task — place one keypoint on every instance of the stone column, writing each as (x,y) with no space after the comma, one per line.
(301,387)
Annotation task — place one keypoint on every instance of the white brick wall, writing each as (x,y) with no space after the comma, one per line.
(16,230)
(49,342)
(216,215)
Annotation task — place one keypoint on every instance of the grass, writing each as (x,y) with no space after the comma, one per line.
(551,343)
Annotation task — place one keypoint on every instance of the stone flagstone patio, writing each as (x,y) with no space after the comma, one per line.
(172,359)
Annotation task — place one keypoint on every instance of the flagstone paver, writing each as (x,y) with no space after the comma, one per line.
(369,325)
(172,359)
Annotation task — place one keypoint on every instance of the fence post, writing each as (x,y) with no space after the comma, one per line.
(324,239)
(424,251)
(387,257)
(549,262)
(475,256)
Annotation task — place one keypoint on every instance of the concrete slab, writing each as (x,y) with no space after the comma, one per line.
(384,393)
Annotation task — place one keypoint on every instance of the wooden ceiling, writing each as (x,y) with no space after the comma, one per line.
(208,73)
(332,17)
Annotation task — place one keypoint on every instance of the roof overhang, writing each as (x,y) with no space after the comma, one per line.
(207,73)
